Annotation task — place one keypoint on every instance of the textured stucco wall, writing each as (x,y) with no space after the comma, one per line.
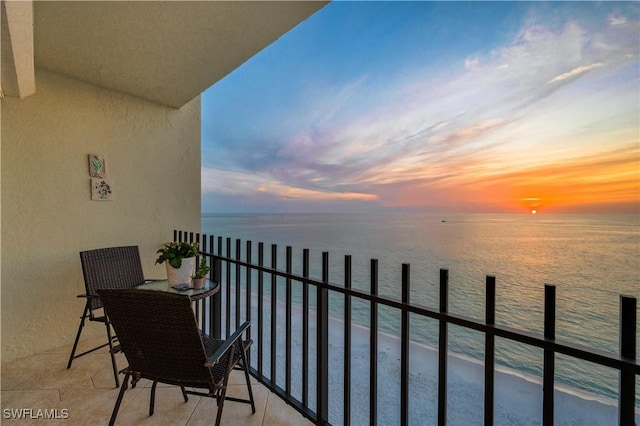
(153,159)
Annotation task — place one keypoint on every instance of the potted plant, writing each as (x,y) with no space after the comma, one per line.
(180,260)
(201,274)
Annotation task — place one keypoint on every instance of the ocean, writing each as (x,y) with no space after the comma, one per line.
(591,259)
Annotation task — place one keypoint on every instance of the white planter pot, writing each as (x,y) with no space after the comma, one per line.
(181,275)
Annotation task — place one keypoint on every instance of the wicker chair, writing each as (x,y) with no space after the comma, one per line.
(159,335)
(113,267)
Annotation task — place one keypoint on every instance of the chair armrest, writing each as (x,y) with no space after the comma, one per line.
(88,296)
(222,349)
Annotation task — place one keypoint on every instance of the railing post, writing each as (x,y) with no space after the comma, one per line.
(200,304)
(442,349)
(260,307)
(489,350)
(228,286)
(549,354)
(305,329)
(274,315)
(373,350)
(288,310)
(322,357)
(347,343)
(237,283)
(404,356)
(249,296)
(215,313)
(628,318)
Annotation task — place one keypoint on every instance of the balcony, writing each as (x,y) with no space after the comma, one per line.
(294,370)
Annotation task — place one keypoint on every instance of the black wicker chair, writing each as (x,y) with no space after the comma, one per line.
(159,335)
(112,267)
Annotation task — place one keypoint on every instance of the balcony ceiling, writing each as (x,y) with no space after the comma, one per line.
(166,51)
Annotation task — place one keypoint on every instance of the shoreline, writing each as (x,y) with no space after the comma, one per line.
(535,380)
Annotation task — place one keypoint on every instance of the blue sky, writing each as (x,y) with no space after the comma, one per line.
(432,106)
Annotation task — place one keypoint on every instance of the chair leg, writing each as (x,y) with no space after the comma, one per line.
(153,398)
(223,389)
(221,403)
(246,376)
(75,343)
(123,388)
(113,356)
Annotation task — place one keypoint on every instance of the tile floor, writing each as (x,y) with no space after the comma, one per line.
(87,393)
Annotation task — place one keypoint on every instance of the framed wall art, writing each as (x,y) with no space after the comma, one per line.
(97,166)
(101,189)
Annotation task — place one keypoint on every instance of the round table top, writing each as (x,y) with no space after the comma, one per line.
(210,288)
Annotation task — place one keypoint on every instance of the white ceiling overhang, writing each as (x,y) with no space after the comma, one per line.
(163,51)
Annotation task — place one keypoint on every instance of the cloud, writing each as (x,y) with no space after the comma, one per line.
(474,130)
(617,20)
(576,71)
(221,181)
(239,182)
(286,191)
(471,63)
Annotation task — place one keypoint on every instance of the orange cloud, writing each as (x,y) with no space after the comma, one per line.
(608,179)
(285,191)
(600,182)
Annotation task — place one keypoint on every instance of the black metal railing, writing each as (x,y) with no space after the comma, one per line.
(237,275)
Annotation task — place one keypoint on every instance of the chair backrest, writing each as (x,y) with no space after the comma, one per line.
(159,335)
(111,267)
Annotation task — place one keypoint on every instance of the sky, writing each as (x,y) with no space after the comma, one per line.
(502,107)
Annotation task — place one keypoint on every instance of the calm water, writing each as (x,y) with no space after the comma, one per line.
(591,259)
